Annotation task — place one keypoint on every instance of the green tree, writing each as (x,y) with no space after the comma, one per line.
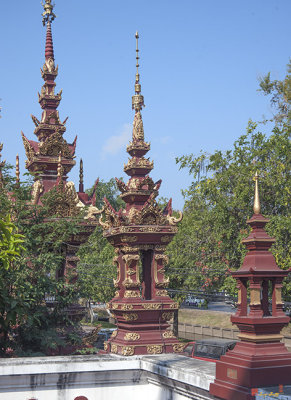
(12,304)
(96,269)
(220,198)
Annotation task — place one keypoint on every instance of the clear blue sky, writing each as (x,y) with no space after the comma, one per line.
(200,64)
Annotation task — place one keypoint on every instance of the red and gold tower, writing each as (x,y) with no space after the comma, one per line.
(51,158)
(259,359)
(140,234)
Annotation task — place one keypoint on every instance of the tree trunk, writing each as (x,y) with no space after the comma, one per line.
(175,323)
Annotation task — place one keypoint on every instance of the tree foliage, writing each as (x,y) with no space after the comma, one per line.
(220,199)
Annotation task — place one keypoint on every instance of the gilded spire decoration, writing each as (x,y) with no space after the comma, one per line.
(17,171)
(257,205)
(137,99)
(47,16)
(81,177)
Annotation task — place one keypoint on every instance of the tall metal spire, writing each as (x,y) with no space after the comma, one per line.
(257,205)
(81,177)
(137,99)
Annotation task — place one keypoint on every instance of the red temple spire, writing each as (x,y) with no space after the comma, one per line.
(49,48)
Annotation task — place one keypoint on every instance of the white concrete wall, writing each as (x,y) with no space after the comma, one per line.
(164,377)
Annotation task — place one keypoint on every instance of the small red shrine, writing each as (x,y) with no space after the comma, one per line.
(140,234)
(259,359)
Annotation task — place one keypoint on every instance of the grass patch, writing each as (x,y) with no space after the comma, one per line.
(213,318)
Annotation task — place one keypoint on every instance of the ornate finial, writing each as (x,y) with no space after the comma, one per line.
(17,171)
(47,15)
(137,99)
(257,206)
(81,177)
(60,169)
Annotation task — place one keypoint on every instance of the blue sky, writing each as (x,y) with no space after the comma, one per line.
(200,64)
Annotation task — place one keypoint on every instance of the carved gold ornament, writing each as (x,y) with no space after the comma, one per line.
(167,316)
(152,306)
(29,151)
(179,347)
(105,346)
(155,349)
(165,239)
(114,348)
(113,335)
(53,145)
(162,293)
(126,307)
(114,306)
(130,317)
(131,293)
(127,350)
(137,131)
(129,239)
(168,335)
(174,305)
(173,220)
(131,336)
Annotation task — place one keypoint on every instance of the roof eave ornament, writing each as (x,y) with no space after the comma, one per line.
(48,14)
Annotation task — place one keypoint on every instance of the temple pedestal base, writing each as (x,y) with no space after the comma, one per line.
(249,366)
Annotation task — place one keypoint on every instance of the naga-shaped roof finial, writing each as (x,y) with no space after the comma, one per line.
(257,205)
(47,15)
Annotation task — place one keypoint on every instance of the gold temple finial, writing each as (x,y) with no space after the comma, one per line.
(137,65)
(60,168)
(17,171)
(257,206)
(47,15)
(137,99)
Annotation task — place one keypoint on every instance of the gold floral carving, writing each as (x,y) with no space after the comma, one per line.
(174,305)
(114,348)
(162,293)
(155,349)
(129,249)
(130,271)
(167,316)
(53,145)
(168,335)
(114,306)
(130,317)
(150,229)
(105,346)
(129,239)
(152,306)
(138,163)
(113,335)
(179,347)
(126,307)
(165,239)
(131,293)
(127,350)
(131,336)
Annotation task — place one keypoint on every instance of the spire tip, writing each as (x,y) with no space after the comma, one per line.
(257,205)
